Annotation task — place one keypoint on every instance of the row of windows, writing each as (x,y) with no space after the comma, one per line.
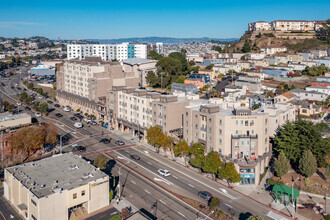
(74,195)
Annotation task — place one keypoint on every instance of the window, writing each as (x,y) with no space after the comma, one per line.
(32,216)
(236,123)
(74,195)
(195,115)
(251,122)
(210,120)
(186,113)
(220,131)
(209,138)
(220,141)
(196,134)
(33,202)
(241,123)
(83,193)
(187,122)
(196,126)
(246,123)
(209,129)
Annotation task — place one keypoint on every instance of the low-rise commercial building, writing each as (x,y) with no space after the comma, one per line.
(309,95)
(9,121)
(52,188)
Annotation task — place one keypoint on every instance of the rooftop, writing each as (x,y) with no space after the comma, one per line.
(9,116)
(54,174)
(138,61)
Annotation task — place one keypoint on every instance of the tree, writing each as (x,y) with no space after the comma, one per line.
(246,47)
(167,143)
(155,136)
(182,58)
(100,161)
(51,133)
(152,79)
(30,85)
(154,55)
(214,203)
(197,161)
(40,91)
(217,48)
(181,79)
(197,149)
(259,35)
(281,165)
(307,164)
(43,107)
(295,137)
(182,149)
(212,163)
(23,96)
(170,66)
(315,70)
(229,172)
(209,67)
(191,63)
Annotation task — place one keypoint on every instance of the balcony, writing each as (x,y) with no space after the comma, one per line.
(160,116)
(124,104)
(238,136)
(203,129)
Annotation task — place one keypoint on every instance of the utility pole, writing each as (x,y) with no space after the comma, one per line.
(2,162)
(61,144)
(139,132)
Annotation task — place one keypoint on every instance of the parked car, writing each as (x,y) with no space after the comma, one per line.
(78,115)
(18,104)
(135,157)
(164,172)
(73,118)
(78,125)
(105,141)
(87,120)
(93,123)
(40,97)
(58,115)
(49,102)
(205,195)
(27,108)
(66,109)
(79,148)
(38,114)
(120,143)
(57,105)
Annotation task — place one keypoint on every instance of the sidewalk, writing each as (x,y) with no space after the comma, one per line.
(123,203)
(255,192)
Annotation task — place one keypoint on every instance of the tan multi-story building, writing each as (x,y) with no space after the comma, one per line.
(130,109)
(239,135)
(292,25)
(140,67)
(82,84)
(273,49)
(52,188)
(260,26)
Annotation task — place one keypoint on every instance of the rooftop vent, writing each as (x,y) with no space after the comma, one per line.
(57,190)
(86,176)
(43,186)
(73,167)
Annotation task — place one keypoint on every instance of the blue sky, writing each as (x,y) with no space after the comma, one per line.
(73,19)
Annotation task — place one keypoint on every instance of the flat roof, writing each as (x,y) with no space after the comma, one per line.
(54,174)
(10,116)
(134,61)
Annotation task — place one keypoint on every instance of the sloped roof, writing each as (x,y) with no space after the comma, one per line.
(288,95)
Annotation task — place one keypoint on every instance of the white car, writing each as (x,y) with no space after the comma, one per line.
(164,172)
(78,125)
(40,97)
(87,120)
(18,104)
(66,109)
(38,114)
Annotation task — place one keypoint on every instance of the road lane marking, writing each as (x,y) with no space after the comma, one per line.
(133,182)
(191,185)
(181,214)
(187,175)
(223,190)
(149,163)
(162,202)
(147,191)
(163,180)
(228,205)
(175,177)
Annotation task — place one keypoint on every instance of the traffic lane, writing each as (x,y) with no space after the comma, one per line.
(104,215)
(182,186)
(236,200)
(6,211)
(144,194)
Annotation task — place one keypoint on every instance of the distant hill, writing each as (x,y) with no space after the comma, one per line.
(165,40)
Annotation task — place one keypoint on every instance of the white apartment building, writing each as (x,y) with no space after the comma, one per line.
(260,26)
(286,25)
(269,50)
(112,51)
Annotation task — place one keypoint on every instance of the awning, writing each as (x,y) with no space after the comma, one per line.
(22,206)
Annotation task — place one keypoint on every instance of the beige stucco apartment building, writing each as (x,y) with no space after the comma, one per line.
(82,84)
(52,188)
(8,120)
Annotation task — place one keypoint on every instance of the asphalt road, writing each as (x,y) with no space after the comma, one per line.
(6,211)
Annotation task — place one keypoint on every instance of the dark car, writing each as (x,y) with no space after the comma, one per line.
(119,142)
(78,115)
(205,195)
(79,148)
(27,108)
(49,102)
(57,105)
(135,157)
(58,115)
(105,141)
(24,89)
(73,118)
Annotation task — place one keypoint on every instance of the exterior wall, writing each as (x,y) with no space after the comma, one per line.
(47,210)
(98,194)
(15,121)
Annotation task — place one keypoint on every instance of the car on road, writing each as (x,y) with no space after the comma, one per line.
(135,157)
(205,195)
(57,105)
(93,123)
(66,109)
(49,102)
(120,143)
(37,114)
(79,148)
(58,115)
(18,104)
(164,172)
(78,125)
(78,115)
(73,118)
(40,97)
(27,108)
(105,141)
(87,120)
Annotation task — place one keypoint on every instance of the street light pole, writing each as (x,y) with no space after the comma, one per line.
(208,215)
(119,185)
(293,200)
(2,162)
(61,144)
(325,206)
